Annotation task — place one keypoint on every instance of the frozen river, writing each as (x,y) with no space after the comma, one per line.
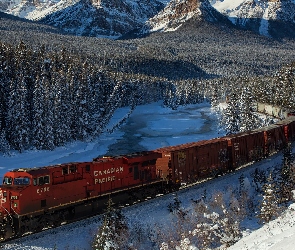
(149,127)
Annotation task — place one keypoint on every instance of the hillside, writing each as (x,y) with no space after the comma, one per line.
(198,49)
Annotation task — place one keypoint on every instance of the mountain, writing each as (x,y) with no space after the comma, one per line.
(98,18)
(114,18)
(273,18)
(178,12)
(16,28)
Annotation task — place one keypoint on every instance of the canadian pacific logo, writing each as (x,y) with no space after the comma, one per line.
(102,174)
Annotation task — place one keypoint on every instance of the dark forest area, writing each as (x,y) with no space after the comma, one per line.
(56,88)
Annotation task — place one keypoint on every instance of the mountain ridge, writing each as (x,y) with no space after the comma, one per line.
(126,18)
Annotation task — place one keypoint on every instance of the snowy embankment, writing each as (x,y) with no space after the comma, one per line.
(159,127)
(276,235)
(154,213)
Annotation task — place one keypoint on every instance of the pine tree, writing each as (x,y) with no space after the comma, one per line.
(4,145)
(248,119)
(215,96)
(113,233)
(230,119)
(49,107)
(38,115)
(17,117)
(287,181)
(269,206)
(82,101)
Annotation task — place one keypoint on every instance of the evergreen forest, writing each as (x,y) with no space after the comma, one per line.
(56,88)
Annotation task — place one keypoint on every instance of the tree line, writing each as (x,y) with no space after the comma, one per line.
(50,98)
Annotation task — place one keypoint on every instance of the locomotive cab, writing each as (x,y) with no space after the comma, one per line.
(13,184)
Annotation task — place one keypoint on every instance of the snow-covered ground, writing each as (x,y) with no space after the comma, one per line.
(150,126)
(279,234)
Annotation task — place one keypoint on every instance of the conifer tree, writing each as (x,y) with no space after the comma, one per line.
(38,115)
(4,145)
(269,205)
(49,104)
(113,233)
(17,117)
(248,120)
(287,181)
(230,119)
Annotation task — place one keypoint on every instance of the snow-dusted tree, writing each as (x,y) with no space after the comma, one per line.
(82,117)
(96,101)
(63,109)
(230,117)
(17,118)
(38,115)
(224,223)
(202,231)
(248,119)
(215,96)
(259,178)
(113,233)
(287,180)
(284,85)
(217,224)
(49,93)
(4,145)
(269,205)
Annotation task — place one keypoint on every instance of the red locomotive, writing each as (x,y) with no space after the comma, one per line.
(37,198)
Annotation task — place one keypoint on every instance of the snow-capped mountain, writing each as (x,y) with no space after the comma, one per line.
(29,9)
(100,18)
(114,18)
(273,18)
(177,12)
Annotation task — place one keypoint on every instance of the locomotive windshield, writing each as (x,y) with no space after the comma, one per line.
(16,181)
(7,180)
(21,181)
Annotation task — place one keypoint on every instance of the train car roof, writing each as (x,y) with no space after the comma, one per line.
(190,145)
(45,169)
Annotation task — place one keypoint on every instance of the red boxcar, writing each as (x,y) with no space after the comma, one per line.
(163,163)
(200,159)
(245,147)
(275,138)
(289,127)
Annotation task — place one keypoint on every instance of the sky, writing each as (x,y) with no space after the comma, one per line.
(151,126)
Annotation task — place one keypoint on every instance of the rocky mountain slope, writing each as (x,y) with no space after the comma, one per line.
(177,12)
(99,18)
(114,18)
(273,18)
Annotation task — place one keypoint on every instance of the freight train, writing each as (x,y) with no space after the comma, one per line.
(32,199)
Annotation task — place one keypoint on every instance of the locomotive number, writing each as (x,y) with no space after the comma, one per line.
(42,190)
